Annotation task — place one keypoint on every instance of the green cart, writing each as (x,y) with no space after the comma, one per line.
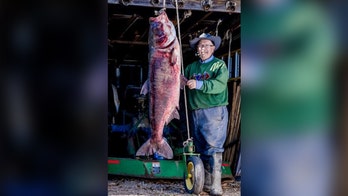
(188,167)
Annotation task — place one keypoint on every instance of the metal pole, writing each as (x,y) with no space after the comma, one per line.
(182,68)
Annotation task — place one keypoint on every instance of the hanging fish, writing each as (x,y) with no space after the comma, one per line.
(163,84)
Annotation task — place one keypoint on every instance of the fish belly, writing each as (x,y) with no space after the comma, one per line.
(164,95)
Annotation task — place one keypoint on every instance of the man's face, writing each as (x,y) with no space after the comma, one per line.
(205,49)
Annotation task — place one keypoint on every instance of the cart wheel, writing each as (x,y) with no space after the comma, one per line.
(194,175)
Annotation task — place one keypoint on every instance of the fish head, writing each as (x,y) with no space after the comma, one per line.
(162,31)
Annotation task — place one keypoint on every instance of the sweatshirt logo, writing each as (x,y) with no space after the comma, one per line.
(216,66)
(200,76)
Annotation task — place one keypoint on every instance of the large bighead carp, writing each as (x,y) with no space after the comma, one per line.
(163,83)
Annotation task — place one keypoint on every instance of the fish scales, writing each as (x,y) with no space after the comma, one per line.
(163,83)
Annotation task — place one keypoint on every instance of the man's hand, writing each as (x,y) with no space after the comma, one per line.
(191,84)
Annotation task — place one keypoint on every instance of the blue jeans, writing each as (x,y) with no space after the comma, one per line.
(209,129)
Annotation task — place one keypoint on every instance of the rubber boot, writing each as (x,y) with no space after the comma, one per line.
(216,188)
(207,174)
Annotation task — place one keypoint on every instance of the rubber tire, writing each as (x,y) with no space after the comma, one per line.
(194,175)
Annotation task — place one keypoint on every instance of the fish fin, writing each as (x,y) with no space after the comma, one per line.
(175,114)
(163,149)
(183,81)
(145,88)
(175,59)
(145,149)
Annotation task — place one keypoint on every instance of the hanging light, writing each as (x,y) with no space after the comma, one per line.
(207,4)
(230,5)
(126,2)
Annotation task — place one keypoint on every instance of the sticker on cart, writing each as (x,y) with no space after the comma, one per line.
(156,168)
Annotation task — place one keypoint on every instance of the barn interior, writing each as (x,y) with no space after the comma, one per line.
(128,26)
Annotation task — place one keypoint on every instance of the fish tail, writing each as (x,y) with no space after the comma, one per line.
(162,148)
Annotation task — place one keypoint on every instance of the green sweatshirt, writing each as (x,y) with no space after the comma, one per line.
(214,91)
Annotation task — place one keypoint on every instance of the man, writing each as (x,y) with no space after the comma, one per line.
(207,100)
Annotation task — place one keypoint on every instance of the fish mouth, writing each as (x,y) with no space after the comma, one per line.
(162,32)
(159,35)
(161,40)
